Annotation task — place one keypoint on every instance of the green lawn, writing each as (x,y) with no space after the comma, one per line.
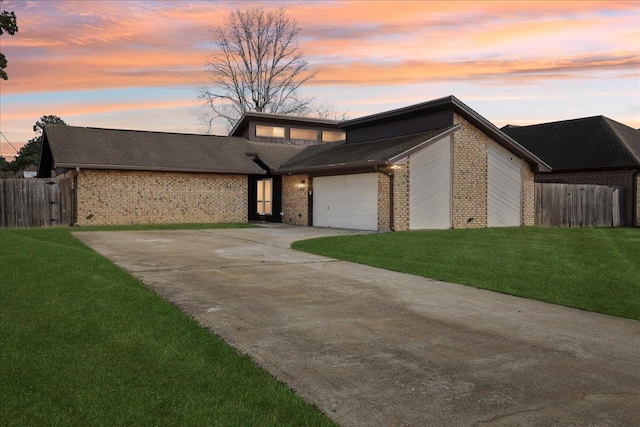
(595,269)
(82,343)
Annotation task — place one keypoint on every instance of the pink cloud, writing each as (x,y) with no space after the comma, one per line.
(97,45)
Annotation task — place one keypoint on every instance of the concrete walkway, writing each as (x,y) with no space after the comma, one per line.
(371,347)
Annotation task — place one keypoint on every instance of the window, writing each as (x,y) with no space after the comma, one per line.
(265,187)
(331,136)
(306,134)
(270,131)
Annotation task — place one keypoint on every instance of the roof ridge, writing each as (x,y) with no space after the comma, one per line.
(551,123)
(622,140)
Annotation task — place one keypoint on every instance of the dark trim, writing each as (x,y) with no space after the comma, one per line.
(156,169)
(310,201)
(332,169)
(276,198)
(268,118)
(343,171)
(74,201)
(447,103)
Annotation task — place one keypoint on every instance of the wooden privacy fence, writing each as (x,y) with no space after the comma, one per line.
(579,205)
(36,202)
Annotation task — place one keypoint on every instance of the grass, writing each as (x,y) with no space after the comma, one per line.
(83,343)
(594,269)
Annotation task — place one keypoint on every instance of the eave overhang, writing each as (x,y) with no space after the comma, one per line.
(156,169)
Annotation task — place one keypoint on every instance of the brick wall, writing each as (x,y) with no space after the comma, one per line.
(622,178)
(401,197)
(384,202)
(528,196)
(295,200)
(469,175)
(108,197)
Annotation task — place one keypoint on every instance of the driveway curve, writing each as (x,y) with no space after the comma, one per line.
(371,347)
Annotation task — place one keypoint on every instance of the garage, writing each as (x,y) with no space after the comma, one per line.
(430,187)
(346,201)
(504,204)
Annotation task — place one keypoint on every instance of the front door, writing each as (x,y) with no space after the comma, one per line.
(264,198)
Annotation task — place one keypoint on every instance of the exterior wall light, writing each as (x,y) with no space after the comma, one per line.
(302,184)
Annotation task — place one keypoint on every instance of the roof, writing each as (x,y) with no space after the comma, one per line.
(138,150)
(369,153)
(581,144)
(281,118)
(443,104)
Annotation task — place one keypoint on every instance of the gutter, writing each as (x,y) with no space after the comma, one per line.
(332,167)
(157,169)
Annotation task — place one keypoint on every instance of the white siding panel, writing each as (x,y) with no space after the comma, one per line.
(346,201)
(430,186)
(504,203)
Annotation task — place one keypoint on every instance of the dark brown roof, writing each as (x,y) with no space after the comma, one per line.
(369,153)
(137,150)
(586,143)
(444,104)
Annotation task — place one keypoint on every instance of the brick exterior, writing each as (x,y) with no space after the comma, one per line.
(295,200)
(112,197)
(636,221)
(622,178)
(401,198)
(528,195)
(469,176)
(384,202)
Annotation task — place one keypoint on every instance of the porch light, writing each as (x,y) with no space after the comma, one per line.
(302,184)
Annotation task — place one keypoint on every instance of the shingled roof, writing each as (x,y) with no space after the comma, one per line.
(98,148)
(581,144)
(370,153)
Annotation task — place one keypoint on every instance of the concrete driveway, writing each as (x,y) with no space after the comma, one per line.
(371,347)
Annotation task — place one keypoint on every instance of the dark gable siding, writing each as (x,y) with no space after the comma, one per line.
(422,123)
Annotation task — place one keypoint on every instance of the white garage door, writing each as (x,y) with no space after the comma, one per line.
(346,201)
(504,205)
(430,187)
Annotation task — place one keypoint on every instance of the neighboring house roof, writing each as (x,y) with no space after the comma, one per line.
(586,143)
(444,104)
(137,150)
(369,153)
(280,118)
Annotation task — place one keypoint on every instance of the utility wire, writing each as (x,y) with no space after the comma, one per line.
(5,138)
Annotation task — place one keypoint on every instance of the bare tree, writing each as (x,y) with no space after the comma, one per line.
(258,66)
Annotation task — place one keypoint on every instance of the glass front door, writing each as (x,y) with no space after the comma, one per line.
(265,195)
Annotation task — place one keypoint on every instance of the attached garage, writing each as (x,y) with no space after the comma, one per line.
(346,201)
(504,204)
(430,186)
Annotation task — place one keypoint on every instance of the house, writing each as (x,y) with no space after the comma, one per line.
(590,150)
(437,164)
(30,172)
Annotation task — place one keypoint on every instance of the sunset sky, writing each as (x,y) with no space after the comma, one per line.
(137,64)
